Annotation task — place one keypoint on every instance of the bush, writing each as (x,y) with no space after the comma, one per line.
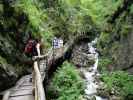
(121,82)
(131,9)
(104,42)
(104,64)
(67,83)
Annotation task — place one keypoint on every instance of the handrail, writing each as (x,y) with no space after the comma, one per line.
(35,58)
(39,90)
(6,95)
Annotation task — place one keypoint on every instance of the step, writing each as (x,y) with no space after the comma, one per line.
(25,97)
(21,93)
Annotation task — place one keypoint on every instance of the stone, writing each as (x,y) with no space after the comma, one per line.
(80,56)
(116,98)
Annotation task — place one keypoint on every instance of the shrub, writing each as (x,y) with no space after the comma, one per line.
(121,81)
(131,9)
(104,64)
(67,83)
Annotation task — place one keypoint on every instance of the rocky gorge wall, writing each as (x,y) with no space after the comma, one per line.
(13,36)
(116,42)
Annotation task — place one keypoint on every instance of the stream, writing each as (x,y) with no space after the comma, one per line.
(91,74)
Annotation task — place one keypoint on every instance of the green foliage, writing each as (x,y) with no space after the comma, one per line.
(120,82)
(104,38)
(48,39)
(2,60)
(104,41)
(110,41)
(104,64)
(63,18)
(68,83)
(100,9)
(35,14)
(123,26)
(131,9)
(68,18)
(1,8)
(126,29)
(38,19)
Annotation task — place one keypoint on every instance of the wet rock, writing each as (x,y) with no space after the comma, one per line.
(115,98)
(125,53)
(81,98)
(80,56)
(103,92)
(82,75)
(11,60)
(112,91)
(120,43)
(93,98)
(8,74)
(12,40)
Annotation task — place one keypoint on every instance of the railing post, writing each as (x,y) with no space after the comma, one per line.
(39,90)
(6,95)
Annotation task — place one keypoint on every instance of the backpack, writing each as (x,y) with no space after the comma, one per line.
(30,46)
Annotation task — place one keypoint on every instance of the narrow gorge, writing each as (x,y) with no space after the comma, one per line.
(97,58)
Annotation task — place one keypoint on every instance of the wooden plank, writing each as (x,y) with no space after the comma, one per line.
(25,87)
(21,89)
(20,95)
(26,97)
(26,84)
(17,93)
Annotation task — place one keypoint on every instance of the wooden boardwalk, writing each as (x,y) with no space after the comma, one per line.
(23,90)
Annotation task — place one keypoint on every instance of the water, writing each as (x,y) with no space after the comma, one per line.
(90,74)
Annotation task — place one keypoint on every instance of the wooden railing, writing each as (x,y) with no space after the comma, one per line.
(6,95)
(38,83)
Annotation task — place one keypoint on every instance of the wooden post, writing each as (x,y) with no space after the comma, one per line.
(6,95)
(39,86)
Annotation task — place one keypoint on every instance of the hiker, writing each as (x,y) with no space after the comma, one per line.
(32,47)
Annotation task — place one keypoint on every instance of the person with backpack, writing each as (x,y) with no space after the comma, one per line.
(32,47)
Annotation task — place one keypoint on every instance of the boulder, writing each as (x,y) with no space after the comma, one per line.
(80,56)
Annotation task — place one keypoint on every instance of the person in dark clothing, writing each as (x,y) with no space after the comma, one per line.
(32,47)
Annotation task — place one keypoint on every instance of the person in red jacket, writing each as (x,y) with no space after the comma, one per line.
(32,47)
